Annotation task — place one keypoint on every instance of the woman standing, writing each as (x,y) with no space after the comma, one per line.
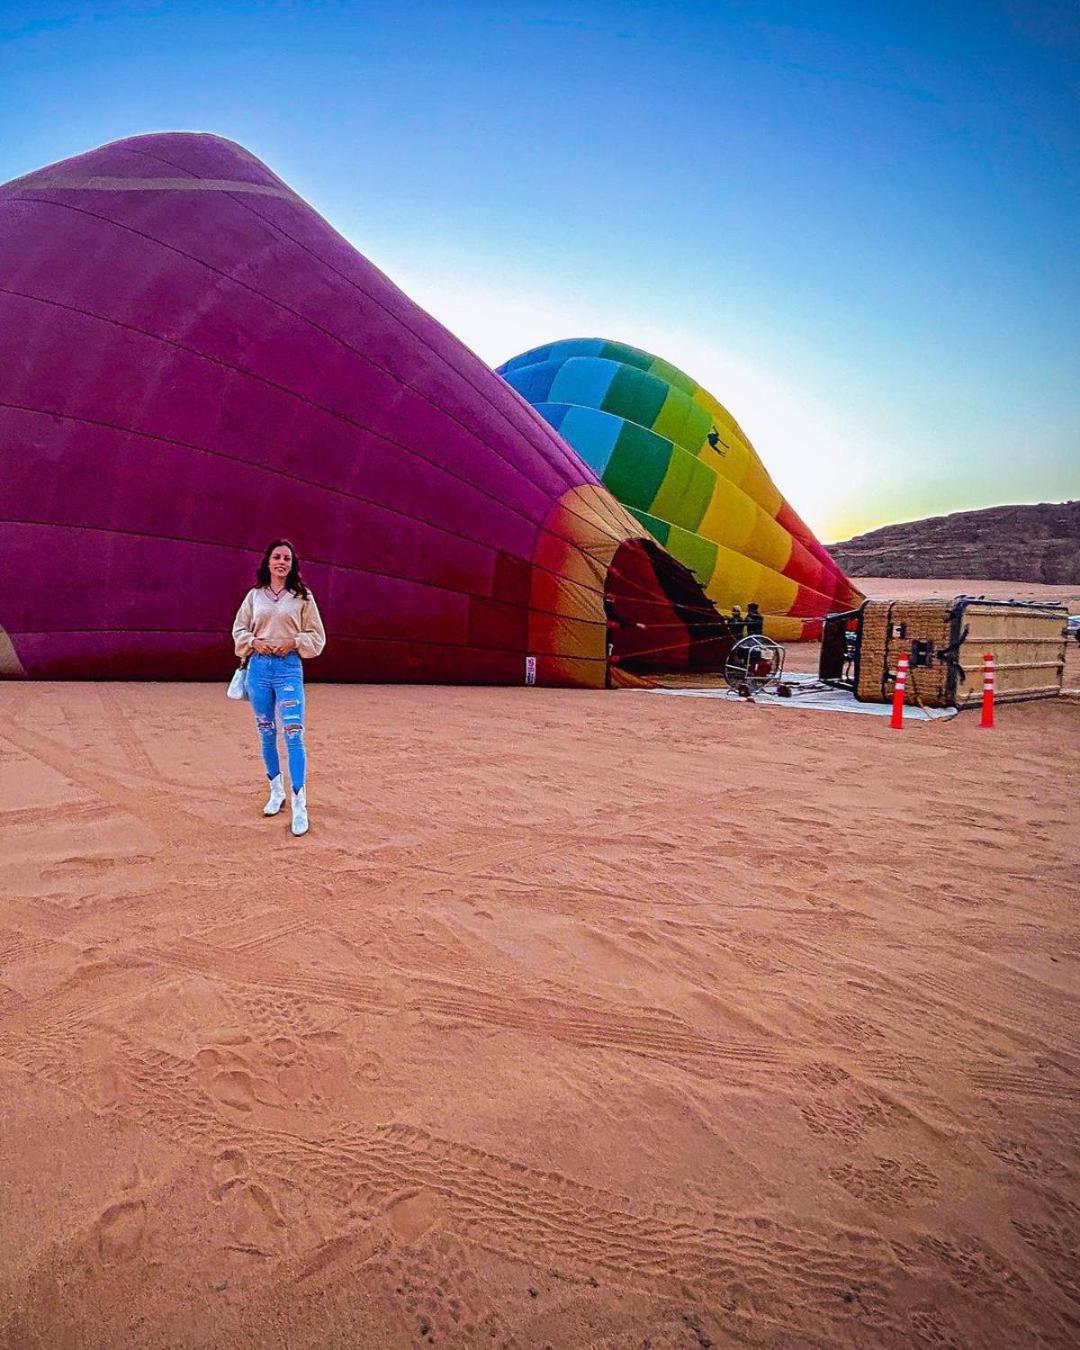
(278,624)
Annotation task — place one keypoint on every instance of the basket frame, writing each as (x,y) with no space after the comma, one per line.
(884,628)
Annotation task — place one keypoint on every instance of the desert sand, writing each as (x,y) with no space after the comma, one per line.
(579,1019)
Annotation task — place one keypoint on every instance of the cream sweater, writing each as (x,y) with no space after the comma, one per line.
(287,622)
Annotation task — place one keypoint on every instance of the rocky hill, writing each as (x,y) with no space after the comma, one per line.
(1002,543)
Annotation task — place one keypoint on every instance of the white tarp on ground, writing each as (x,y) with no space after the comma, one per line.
(808,692)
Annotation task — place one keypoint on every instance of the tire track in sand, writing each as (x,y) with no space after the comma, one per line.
(158,808)
(522,1213)
(121,730)
(650,1033)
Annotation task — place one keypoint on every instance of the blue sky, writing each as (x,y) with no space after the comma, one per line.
(854,223)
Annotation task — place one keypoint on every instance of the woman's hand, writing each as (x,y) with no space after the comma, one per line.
(264,648)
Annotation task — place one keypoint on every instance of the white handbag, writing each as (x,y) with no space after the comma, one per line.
(238,684)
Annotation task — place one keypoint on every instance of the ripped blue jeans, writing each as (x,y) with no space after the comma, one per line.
(276,686)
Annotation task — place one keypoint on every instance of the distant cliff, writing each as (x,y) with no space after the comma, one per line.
(1003,543)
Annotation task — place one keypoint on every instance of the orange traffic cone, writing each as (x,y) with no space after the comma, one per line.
(987,719)
(897,719)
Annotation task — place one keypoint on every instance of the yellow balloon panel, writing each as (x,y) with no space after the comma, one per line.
(735,577)
(730,518)
(769,542)
(782,628)
(775,593)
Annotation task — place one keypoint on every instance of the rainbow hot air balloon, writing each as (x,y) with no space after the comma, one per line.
(192,363)
(680,463)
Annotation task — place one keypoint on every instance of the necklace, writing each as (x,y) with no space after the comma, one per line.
(275,595)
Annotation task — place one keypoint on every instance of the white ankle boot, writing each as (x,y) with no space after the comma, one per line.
(299,812)
(276,800)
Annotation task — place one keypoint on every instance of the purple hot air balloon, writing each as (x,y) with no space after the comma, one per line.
(192,362)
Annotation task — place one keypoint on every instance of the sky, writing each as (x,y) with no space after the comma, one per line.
(854,223)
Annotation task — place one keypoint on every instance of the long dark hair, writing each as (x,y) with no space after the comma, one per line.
(293,582)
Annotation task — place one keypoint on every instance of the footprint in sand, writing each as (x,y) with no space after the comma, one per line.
(329,1038)
(120,1231)
(369,1067)
(297,1083)
(355,1247)
(234,1088)
(229,1168)
(256,1221)
(930,1326)
(230,1037)
(413,1214)
(976,1269)
(888,1184)
(436,1282)
(106,1087)
(242,1091)
(260,1202)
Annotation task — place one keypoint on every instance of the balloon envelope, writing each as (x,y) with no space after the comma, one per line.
(193,363)
(681,464)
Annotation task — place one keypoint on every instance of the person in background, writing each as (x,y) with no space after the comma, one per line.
(755,620)
(737,623)
(277,624)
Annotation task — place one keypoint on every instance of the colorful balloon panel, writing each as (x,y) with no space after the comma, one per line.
(680,463)
(192,362)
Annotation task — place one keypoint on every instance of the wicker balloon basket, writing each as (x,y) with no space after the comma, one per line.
(945,641)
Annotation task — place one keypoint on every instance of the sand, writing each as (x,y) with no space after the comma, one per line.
(579,1019)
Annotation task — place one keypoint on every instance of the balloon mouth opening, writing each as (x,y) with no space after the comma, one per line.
(658,616)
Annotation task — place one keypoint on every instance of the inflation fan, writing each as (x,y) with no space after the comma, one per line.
(753,664)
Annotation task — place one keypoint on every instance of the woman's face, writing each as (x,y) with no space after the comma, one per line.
(280,564)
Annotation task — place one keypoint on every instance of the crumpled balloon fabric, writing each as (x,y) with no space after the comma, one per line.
(193,363)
